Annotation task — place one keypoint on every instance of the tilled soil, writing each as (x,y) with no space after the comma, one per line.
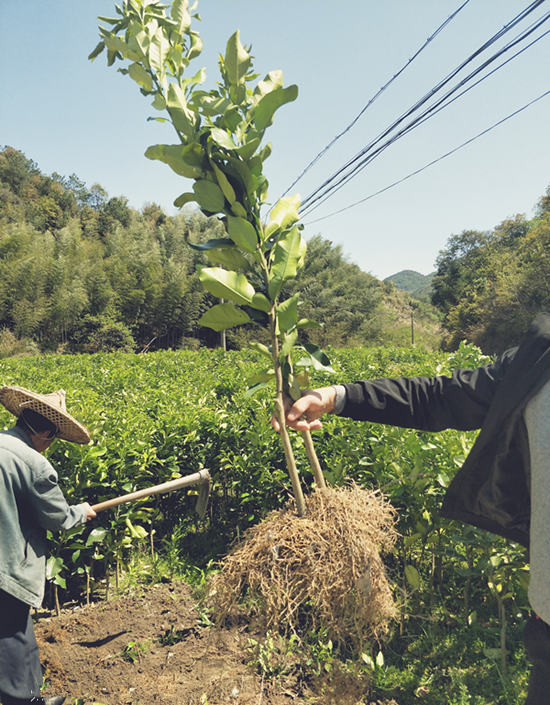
(149,648)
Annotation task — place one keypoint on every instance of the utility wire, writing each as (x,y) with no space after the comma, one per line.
(326,187)
(430,112)
(375,96)
(435,161)
(518,18)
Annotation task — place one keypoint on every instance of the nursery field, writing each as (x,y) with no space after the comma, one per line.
(460,594)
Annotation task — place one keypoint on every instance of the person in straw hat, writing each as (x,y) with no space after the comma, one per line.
(30,503)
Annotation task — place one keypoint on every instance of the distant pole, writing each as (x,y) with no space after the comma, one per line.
(412,325)
(223,340)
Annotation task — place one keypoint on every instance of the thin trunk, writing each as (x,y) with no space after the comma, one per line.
(279,410)
(57,603)
(503,625)
(314,460)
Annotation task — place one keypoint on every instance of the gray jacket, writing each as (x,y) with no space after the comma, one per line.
(30,503)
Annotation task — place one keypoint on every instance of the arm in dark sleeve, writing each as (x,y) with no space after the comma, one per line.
(460,401)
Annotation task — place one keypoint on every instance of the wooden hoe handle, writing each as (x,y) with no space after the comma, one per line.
(202,477)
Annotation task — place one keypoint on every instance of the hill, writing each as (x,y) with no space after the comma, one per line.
(84,272)
(419,286)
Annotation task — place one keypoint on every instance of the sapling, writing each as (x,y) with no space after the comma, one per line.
(221,149)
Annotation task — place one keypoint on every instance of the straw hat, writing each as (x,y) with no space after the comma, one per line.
(51,406)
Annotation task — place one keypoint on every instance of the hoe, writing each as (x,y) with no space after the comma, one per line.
(202,477)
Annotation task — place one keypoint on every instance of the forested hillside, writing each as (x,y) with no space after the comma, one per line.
(81,271)
(419,286)
(489,285)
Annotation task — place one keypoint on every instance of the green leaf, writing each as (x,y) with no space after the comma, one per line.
(283,214)
(319,359)
(255,388)
(287,257)
(243,176)
(181,16)
(136,532)
(211,244)
(140,76)
(272,80)
(413,577)
(222,316)
(227,285)
(261,302)
(96,536)
(308,323)
(261,348)
(229,257)
(223,182)
(243,233)
(54,565)
(246,150)
(185,198)
(263,111)
(158,50)
(293,387)
(195,45)
(115,44)
(183,117)
(264,376)
(237,60)
(289,341)
(287,313)
(238,209)
(185,160)
(222,138)
(158,102)
(97,51)
(209,196)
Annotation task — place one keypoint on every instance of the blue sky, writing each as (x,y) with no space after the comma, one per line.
(73,116)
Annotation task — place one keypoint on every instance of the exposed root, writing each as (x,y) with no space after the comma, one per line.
(320,571)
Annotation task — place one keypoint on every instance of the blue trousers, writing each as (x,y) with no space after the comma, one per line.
(20,670)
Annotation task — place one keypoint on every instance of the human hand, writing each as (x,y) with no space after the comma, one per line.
(90,514)
(304,414)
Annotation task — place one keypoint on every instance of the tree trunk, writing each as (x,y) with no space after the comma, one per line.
(314,460)
(280,413)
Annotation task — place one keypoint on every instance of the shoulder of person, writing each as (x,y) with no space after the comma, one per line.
(14,444)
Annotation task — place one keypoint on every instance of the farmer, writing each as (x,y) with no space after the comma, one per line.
(504,484)
(30,503)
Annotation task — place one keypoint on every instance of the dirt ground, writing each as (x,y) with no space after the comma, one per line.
(149,648)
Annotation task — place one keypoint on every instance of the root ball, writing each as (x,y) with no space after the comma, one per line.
(320,571)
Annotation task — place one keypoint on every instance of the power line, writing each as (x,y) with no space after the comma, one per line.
(327,186)
(431,111)
(434,161)
(375,96)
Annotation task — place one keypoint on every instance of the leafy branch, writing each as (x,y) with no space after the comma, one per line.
(221,149)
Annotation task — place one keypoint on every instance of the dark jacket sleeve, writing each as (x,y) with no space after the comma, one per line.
(460,401)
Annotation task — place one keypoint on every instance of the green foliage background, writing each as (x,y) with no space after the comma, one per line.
(490,285)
